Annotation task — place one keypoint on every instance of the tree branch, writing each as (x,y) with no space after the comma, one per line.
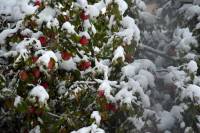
(157,52)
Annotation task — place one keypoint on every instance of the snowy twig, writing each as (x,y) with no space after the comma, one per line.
(152,50)
(54,115)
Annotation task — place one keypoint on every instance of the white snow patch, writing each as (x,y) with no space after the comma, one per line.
(36,129)
(90,129)
(192,92)
(192,66)
(166,121)
(40,92)
(45,58)
(119,53)
(46,15)
(95,115)
(130,31)
(68,64)
(69,27)
(17,101)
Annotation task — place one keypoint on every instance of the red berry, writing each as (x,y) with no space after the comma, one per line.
(36,73)
(43,40)
(45,85)
(65,55)
(23,75)
(83,16)
(34,59)
(37,3)
(84,65)
(51,64)
(110,107)
(101,93)
(84,41)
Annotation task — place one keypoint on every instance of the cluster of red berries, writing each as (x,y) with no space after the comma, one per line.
(24,76)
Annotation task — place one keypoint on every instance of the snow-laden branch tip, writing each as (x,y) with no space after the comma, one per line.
(157,52)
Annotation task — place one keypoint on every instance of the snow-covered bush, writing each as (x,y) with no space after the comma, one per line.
(67,66)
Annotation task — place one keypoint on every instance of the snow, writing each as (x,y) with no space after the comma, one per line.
(82,3)
(68,64)
(185,40)
(85,33)
(28,42)
(69,27)
(197,26)
(177,111)
(143,80)
(137,122)
(101,66)
(123,6)
(190,11)
(137,84)
(130,31)
(147,17)
(132,69)
(127,94)
(119,53)
(93,11)
(53,23)
(192,92)
(86,24)
(26,32)
(106,87)
(192,66)
(40,92)
(90,129)
(149,76)
(46,15)
(17,101)
(95,115)
(45,58)
(174,77)
(36,129)
(8,32)
(16,9)
(166,121)
(140,4)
